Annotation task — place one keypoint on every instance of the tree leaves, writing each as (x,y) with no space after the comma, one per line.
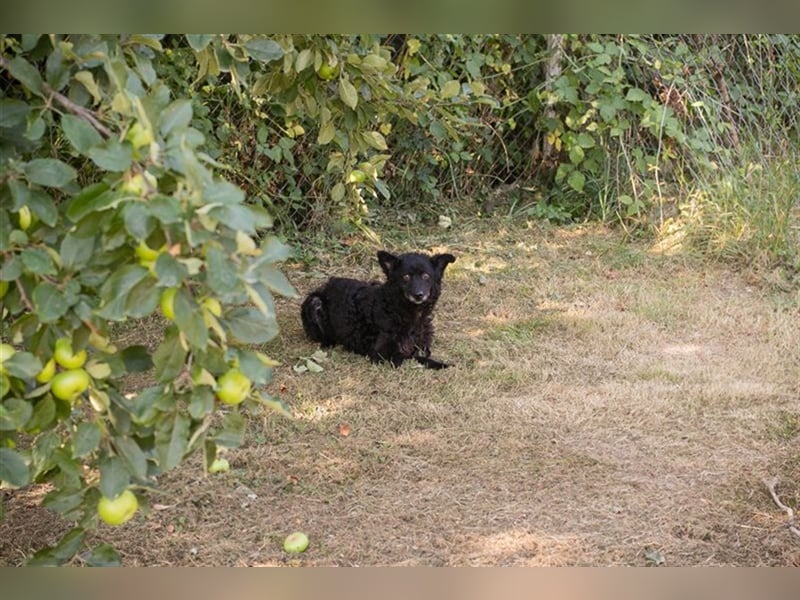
(348,93)
(13,469)
(263,50)
(80,133)
(49,172)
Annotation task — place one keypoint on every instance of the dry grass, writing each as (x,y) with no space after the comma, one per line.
(609,407)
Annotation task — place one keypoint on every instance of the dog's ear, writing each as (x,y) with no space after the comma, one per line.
(388,261)
(440,261)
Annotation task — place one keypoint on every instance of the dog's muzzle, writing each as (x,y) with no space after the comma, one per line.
(417,298)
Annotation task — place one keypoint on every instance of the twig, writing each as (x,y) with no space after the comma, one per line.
(77,109)
(68,104)
(771,483)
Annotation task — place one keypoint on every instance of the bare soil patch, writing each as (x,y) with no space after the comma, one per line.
(609,407)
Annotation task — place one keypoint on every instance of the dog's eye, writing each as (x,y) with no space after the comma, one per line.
(425,276)
(406,277)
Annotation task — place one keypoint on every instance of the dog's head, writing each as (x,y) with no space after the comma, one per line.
(419,276)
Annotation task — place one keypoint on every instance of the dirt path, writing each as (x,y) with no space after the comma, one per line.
(610,407)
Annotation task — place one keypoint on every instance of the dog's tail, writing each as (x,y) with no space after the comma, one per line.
(314,318)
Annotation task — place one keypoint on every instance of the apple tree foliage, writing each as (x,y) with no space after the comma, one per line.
(107,200)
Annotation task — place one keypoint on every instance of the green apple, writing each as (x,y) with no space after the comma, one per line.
(68,385)
(65,356)
(119,510)
(47,372)
(220,465)
(233,387)
(139,136)
(24,218)
(168,302)
(6,352)
(145,252)
(327,72)
(212,305)
(295,542)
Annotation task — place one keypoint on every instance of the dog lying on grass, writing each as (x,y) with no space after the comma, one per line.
(389,321)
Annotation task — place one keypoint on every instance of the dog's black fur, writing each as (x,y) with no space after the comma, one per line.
(391,321)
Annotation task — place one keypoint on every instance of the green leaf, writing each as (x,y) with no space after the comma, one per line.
(89,199)
(66,502)
(585,140)
(13,468)
(201,402)
(277,282)
(49,172)
(13,112)
(232,433)
(637,95)
(304,59)
(169,270)
(136,359)
(114,476)
(23,365)
(137,219)
(80,133)
(176,116)
(142,298)
(166,209)
(172,440)
(44,412)
(250,326)
(450,89)
(348,93)
(375,139)
(263,50)
(189,319)
(133,456)
(37,261)
(14,413)
(223,192)
(576,155)
(221,274)
(49,302)
(199,41)
(326,133)
(112,156)
(86,439)
(76,251)
(276,404)
(273,250)
(169,357)
(116,289)
(68,547)
(576,181)
(42,204)
(26,74)
(103,555)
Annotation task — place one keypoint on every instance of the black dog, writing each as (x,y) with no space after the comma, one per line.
(389,321)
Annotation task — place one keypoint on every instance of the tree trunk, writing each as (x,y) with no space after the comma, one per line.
(552,71)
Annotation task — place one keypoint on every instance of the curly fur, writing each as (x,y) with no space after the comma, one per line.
(391,321)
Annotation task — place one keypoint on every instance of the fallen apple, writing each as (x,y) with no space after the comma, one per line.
(65,356)
(233,387)
(119,510)
(220,465)
(295,542)
(68,385)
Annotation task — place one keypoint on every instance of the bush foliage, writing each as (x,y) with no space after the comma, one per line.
(147,173)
